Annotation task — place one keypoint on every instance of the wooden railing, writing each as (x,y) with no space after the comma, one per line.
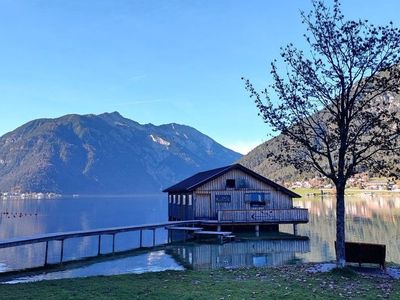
(293,215)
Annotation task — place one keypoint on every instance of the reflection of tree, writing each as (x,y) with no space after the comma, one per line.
(369,218)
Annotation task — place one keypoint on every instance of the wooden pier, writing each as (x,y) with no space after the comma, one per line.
(199,231)
(62,236)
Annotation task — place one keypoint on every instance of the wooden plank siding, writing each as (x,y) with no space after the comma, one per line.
(278,200)
(203,207)
(294,215)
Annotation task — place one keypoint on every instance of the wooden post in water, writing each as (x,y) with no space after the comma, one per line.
(46,254)
(257,228)
(154,237)
(99,246)
(62,251)
(141,238)
(113,243)
(295,229)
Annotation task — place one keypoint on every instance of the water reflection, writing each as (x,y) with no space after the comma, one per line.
(370,218)
(149,262)
(244,253)
(193,255)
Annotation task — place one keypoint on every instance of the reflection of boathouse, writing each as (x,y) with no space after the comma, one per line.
(238,254)
(233,195)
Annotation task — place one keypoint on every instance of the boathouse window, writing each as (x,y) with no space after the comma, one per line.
(230,183)
(184,199)
(222,198)
(169,199)
(189,199)
(174,199)
(179,199)
(257,199)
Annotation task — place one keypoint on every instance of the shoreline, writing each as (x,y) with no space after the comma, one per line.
(307,192)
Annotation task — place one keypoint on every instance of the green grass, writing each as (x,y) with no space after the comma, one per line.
(288,282)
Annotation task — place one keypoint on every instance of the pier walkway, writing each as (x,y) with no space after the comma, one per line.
(113,231)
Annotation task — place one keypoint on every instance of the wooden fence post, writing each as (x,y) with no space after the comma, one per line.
(113,243)
(62,251)
(99,246)
(46,254)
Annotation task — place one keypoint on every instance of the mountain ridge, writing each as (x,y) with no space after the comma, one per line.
(105,153)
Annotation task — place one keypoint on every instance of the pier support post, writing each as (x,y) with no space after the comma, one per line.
(257,229)
(141,238)
(154,237)
(219,228)
(295,229)
(113,243)
(99,245)
(62,251)
(46,254)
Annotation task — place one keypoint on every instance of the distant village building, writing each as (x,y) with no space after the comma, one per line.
(233,195)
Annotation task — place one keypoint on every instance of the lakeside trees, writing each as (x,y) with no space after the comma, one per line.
(334,104)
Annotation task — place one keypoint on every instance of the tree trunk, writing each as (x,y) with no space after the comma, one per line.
(340,226)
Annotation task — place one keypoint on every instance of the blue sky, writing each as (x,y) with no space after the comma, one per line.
(153,61)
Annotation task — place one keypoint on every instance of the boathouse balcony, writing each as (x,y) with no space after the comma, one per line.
(273,216)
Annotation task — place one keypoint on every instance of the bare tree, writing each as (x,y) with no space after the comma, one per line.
(335,104)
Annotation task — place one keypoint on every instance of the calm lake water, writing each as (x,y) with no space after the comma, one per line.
(371,218)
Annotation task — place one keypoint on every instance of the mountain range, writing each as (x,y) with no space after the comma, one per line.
(104,154)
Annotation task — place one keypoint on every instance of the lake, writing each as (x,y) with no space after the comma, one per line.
(371,217)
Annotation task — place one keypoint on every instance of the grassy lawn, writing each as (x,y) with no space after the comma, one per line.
(289,282)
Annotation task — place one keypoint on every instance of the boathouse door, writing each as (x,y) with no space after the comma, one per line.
(203,206)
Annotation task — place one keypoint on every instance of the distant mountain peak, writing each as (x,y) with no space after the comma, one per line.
(105,153)
(113,114)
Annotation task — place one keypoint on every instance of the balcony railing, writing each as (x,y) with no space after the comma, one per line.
(293,215)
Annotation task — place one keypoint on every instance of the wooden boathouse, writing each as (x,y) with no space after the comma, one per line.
(233,195)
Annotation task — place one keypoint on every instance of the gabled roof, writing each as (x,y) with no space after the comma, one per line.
(191,183)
